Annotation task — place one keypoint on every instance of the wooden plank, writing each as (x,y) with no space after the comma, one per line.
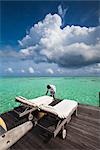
(83,132)
(78,135)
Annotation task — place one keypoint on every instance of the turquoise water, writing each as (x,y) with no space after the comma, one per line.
(82,89)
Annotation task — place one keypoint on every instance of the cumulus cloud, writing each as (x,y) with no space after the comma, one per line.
(60,71)
(10,70)
(31,70)
(98,65)
(70,47)
(23,71)
(49,70)
(94,69)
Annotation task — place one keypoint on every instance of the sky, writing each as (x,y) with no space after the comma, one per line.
(50,38)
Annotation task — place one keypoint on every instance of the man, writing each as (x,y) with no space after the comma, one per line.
(52,90)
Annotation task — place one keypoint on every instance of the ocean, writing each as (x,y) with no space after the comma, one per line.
(81,89)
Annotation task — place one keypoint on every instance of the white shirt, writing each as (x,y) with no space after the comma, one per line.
(53,88)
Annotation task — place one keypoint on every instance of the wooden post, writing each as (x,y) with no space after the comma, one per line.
(99,99)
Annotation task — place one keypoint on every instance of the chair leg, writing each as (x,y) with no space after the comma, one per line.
(64,132)
(76,112)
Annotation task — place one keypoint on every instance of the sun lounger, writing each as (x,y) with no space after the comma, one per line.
(61,111)
(31,105)
(36,102)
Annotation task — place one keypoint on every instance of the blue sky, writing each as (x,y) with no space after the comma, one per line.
(31,31)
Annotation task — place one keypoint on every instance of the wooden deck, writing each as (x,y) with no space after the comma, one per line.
(83,132)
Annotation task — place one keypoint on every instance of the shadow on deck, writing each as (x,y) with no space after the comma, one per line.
(83,132)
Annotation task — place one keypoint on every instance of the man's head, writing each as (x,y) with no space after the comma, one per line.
(48,87)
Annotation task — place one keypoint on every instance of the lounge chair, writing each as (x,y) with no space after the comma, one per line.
(61,112)
(30,105)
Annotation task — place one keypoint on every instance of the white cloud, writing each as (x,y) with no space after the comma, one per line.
(72,46)
(20,43)
(60,70)
(31,70)
(10,70)
(98,64)
(23,71)
(96,68)
(49,70)
(62,11)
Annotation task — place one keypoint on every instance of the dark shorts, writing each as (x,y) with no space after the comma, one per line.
(52,92)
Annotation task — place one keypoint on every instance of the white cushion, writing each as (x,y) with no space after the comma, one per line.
(42,100)
(62,109)
(36,102)
(65,107)
(49,109)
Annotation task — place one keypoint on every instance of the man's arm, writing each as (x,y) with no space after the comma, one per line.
(46,92)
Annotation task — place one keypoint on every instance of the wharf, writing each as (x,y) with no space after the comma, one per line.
(83,132)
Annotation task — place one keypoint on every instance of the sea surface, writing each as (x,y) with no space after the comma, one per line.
(82,89)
